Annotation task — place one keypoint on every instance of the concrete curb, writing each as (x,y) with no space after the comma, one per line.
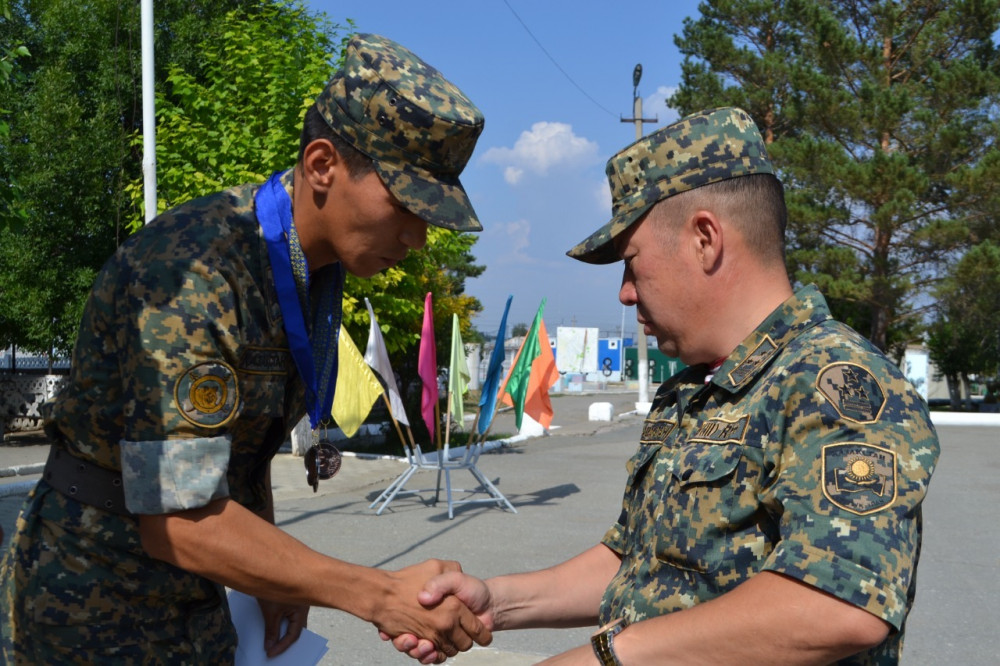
(965,419)
(22,470)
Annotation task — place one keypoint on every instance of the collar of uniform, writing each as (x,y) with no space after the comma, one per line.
(804,309)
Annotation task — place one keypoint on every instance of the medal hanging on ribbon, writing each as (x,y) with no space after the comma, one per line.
(322,460)
(315,350)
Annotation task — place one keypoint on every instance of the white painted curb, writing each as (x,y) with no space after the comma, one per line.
(965,419)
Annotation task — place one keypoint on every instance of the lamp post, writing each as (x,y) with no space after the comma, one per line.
(642,403)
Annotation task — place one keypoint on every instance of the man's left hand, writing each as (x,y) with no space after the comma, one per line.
(274,613)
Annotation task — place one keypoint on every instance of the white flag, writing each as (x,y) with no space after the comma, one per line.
(378,358)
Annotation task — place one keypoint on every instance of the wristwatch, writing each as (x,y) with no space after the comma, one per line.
(604,644)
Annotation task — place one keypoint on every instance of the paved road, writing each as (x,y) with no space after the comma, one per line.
(567,488)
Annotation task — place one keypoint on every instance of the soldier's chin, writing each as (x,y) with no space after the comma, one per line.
(365,269)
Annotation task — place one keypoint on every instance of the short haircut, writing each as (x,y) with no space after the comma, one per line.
(315,127)
(755,204)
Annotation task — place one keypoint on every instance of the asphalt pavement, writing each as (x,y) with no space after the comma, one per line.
(566,487)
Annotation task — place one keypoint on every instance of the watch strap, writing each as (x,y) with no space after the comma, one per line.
(603,643)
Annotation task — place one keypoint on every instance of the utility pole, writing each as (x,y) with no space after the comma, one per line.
(643,404)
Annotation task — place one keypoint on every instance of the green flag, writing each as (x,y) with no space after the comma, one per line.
(520,373)
(458,373)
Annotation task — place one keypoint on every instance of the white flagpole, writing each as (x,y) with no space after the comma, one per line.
(148,112)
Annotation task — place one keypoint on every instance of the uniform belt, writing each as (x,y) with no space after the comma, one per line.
(85,482)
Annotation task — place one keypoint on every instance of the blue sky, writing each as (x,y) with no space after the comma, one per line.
(553,111)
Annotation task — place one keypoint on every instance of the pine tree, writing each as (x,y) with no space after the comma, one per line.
(881,117)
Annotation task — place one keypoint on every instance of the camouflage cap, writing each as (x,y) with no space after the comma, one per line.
(697,150)
(418,127)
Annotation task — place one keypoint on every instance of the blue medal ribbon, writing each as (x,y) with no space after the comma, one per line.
(315,352)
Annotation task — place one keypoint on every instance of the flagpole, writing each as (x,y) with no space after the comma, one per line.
(475,422)
(496,409)
(437,421)
(447,422)
(441,454)
(385,398)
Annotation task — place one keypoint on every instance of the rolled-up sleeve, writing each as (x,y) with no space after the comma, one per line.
(174,475)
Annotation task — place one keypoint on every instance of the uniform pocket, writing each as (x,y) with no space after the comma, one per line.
(697,505)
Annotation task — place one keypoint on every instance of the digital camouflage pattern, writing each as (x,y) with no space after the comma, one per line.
(417,126)
(181,379)
(808,454)
(703,148)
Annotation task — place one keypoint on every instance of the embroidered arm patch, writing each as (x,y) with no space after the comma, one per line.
(853,391)
(207,394)
(859,478)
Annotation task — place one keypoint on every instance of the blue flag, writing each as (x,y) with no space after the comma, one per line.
(491,385)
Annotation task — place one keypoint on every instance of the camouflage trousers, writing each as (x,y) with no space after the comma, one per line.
(76,588)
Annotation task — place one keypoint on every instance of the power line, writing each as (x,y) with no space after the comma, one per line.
(558,66)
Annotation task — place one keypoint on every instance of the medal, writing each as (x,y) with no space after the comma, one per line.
(322,460)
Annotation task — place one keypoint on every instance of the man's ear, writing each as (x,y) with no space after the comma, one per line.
(708,238)
(319,161)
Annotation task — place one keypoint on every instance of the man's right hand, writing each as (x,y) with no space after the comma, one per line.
(471,591)
(442,618)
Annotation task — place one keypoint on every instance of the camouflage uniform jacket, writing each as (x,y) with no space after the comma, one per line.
(182,379)
(808,453)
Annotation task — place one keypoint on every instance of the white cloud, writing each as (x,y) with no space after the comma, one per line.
(547,145)
(602,196)
(655,105)
(512,175)
(515,238)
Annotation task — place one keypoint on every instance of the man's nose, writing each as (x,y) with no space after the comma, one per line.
(626,294)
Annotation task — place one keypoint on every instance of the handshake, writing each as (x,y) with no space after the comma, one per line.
(438,611)
(433,611)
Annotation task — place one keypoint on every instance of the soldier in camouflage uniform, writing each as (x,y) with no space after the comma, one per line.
(184,386)
(772,510)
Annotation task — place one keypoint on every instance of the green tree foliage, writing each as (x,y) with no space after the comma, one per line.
(9,53)
(73,110)
(11,213)
(881,117)
(233,80)
(965,336)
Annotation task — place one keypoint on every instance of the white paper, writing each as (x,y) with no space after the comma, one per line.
(249,623)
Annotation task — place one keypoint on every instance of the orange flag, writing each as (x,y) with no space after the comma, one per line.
(543,376)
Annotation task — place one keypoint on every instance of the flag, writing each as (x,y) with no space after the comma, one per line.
(357,387)
(378,358)
(532,375)
(427,368)
(458,373)
(488,397)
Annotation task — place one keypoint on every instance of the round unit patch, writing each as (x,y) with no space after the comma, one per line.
(207,394)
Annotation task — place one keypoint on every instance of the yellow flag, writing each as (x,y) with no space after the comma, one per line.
(357,387)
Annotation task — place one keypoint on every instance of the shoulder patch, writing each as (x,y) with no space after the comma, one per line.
(760,355)
(859,478)
(853,391)
(207,394)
